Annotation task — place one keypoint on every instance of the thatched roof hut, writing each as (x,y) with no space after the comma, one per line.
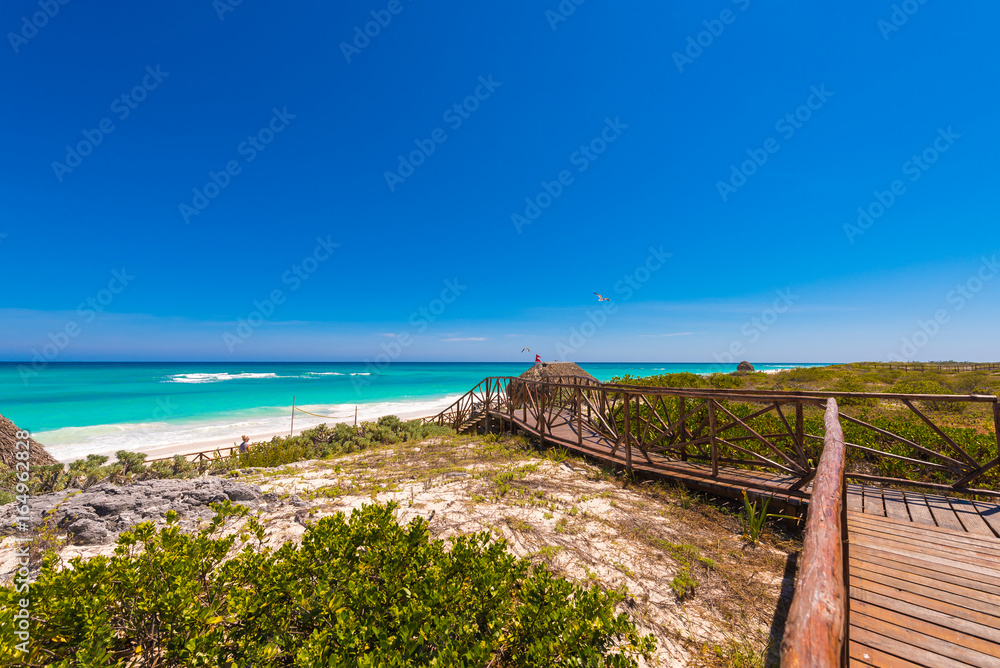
(567,372)
(8,447)
(555,371)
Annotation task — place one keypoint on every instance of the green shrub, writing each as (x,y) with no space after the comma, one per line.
(725,381)
(852,384)
(322,441)
(358,591)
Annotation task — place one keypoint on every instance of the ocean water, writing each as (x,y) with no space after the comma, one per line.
(79,408)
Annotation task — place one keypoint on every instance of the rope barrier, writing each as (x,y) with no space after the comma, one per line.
(329,417)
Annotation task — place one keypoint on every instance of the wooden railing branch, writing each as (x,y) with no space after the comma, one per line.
(816,628)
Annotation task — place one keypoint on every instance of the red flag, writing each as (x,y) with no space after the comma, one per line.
(538,359)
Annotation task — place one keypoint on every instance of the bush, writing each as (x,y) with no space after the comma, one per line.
(852,384)
(358,591)
(321,442)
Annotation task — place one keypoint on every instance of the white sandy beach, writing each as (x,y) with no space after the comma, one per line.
(162,440)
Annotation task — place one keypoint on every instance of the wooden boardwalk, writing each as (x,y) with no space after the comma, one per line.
(924,569)
(730,483)
(924,573)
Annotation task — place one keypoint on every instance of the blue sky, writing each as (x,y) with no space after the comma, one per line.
(700,163)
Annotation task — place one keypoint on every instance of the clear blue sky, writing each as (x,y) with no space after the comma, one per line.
(643,125)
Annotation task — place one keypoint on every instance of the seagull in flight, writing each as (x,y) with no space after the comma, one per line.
(602,299)
(523,349)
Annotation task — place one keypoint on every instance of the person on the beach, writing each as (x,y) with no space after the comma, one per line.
(245,445)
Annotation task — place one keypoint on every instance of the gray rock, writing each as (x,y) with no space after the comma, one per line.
(238,491)
(745,367)
(88,532)
(94,515)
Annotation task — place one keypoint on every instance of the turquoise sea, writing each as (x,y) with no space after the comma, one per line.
(79,408)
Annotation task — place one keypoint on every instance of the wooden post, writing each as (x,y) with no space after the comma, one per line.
(800,429)
(996,425)
(355,416)
(628,434)
(489,398)
(711,435)
(683,428)
(579,417)
(291,429)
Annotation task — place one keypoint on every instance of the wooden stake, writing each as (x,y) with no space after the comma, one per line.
(292,428)
(712,436)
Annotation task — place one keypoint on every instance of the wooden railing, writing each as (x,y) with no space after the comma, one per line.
(774,431)
(816,629)
(944,367)
(203,456)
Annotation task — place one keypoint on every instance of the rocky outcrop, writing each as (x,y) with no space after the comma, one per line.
(8,447)
(745,367)
(96,515)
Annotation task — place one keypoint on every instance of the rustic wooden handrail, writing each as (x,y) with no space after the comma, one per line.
(816,628)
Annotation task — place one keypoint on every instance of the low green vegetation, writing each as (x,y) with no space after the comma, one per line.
(358,591)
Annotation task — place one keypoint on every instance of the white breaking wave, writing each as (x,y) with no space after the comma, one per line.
(323,373)
(72,443)
(214,377)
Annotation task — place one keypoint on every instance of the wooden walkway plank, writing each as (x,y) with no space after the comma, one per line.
(931,610)
(916,634)
(895,505)
(906,582)
(919,512)
(919,544)
(873,501)
(910,564)
(893,524)
(862,655)
(855,498)
(990,512)
(944,516)
(959,587)
(900,649)
(944,561)
(970,518)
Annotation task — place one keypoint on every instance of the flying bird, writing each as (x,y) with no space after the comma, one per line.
(602,299)
(523,349)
